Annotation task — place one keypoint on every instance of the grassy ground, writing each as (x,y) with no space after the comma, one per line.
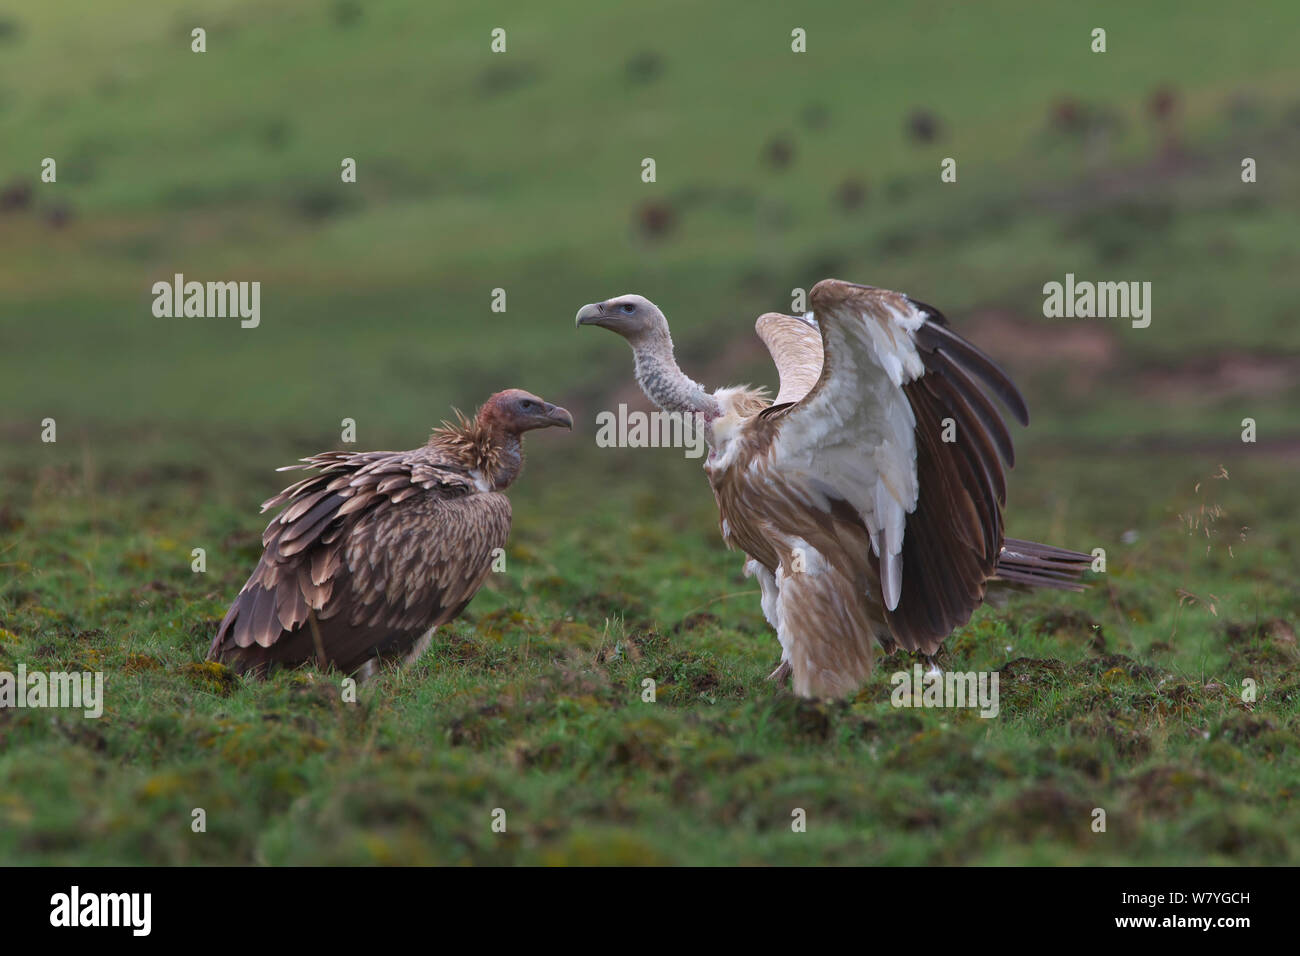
(521,172)
(1126,698)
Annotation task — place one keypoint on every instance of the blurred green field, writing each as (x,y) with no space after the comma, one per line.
(521,171)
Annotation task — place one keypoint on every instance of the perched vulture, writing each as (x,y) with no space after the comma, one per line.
(862,524)
(376,549)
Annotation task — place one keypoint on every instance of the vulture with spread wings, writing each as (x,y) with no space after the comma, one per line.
(868,497)
(370,554)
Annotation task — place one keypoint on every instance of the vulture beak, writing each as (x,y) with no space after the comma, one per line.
(590,315)
(559,416)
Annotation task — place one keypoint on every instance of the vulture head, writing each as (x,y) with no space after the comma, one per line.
(515,411)
(632,316)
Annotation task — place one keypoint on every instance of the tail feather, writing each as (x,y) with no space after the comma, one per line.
(1041,565)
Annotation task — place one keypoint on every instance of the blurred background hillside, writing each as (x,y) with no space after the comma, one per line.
(522,171)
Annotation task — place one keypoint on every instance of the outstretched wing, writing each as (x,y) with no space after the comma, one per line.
(898,428)
(796,348)
(376,544)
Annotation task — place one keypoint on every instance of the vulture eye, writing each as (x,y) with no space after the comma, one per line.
(628,307)
(528,403)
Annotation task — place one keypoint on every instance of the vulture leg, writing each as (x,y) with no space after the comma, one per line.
(322,659)
(767,583)
(419,647)
(367,670)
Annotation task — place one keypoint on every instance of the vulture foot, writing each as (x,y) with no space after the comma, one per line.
(782,673)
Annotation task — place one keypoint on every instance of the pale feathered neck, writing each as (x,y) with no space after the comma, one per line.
(475,445)
(663,382)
